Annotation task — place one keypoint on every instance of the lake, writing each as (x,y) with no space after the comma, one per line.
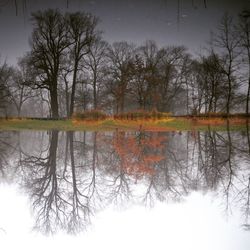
(125,190)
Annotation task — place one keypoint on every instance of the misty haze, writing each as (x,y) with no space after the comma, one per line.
(125,124)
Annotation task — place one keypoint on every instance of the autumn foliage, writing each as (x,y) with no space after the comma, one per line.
(138,154)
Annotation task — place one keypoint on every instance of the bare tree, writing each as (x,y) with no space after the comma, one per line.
(81,30)
(227,40)
(5,78)
(95,63)
(158,75)
(244,32)
(152,57)
(174,67)
(120,56)
(139,84)
(19,89)
(48,46)
(209,82)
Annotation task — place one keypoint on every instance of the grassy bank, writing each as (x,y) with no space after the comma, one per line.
(166,124)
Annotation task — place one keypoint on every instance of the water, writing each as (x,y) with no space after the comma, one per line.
(121,190)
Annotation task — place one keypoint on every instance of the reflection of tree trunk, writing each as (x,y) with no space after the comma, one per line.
(52,159)
(84,141)
(248,55)
(212,147)
(66,156)
(187,147)
(45,186)
(92,184)
(200,156)
(77,203)
(72,160)
(247,206)
(94,153)
(229,160)
(53,148)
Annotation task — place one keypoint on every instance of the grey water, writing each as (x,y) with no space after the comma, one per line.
(121,190)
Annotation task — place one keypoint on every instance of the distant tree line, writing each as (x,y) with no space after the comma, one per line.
(70,68)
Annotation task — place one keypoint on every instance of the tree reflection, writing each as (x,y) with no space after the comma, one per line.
(8,147)
(57,200)
(223,160)
(132,158)
(42,182)
(72,175)
(77,200)
(168,181)
(3,152)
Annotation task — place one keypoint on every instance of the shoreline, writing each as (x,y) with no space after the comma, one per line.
(157,125)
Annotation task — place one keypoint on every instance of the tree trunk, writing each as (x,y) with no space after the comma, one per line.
(73,90)
(187,99)
(94,90)
(18,111)
(54,102)
(229,95)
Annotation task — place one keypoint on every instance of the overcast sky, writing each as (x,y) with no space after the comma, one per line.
(130,20)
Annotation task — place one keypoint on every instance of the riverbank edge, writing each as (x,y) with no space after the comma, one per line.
(166,124)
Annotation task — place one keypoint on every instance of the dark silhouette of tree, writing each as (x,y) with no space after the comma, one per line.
(139,87)
(95,63)
(71,64)
(244,33)
(152,57)
(48,42)
(158,76)
(19,89)
(81,29)
(65,91)
(5,77)
(227,40)
(174,67)
(214,82)
(208,84)
(120,56)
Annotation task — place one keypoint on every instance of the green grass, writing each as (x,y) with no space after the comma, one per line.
(169,124)
(15,125)
(177,124)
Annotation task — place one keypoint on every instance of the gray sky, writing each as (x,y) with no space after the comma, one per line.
(130,20)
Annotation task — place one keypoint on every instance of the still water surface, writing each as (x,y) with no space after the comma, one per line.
(125,190)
